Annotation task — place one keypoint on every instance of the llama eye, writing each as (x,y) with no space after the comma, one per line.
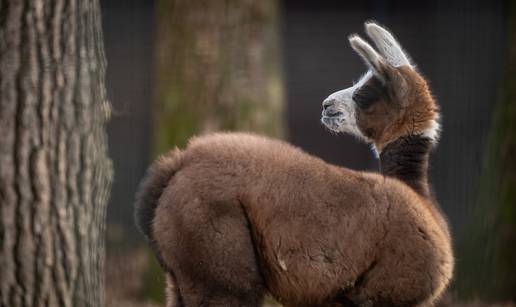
(368,94)
(365,96)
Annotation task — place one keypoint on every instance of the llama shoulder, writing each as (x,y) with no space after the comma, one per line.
(407,203)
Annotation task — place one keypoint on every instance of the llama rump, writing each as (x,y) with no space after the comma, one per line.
(235,216)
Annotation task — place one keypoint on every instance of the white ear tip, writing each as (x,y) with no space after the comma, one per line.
(373,29)
(372,25)
(353,37)
(356,41)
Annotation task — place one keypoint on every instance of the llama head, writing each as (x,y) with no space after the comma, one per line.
(390,101)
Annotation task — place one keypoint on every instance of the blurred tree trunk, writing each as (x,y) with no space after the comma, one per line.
(217,69)
(54,170)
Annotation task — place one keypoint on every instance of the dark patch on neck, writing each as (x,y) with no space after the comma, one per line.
(407,160)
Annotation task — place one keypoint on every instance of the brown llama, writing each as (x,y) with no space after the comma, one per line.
(235,215)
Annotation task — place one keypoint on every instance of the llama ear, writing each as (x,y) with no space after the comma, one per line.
(372,59)
(387,45)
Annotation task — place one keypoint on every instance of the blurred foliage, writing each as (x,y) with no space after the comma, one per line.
(486,262)
(126,282)
(154,279)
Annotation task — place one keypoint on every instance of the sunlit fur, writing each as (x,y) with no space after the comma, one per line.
(235,215)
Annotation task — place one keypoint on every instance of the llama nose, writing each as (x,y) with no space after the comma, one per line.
(327,103)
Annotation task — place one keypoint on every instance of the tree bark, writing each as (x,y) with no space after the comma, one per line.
(218,68)
(54,170)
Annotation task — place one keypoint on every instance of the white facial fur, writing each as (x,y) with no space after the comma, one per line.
(342,104)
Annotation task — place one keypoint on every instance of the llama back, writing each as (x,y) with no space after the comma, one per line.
(151,188)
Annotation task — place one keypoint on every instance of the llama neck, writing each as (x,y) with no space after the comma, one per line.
(407,160)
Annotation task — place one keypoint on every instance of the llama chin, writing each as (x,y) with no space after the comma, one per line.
(235,215)
(339,110)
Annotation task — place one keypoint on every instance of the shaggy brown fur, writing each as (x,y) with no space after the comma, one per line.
(244,214)
(235,215)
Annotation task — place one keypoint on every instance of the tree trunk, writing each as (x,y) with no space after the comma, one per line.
(217,69)
(54,170)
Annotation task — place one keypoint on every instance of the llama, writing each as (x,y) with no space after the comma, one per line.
(235,216)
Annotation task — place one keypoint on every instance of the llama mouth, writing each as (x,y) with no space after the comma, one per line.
(331,114)
(331,122)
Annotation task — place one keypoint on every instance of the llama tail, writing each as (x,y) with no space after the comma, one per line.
(151,188)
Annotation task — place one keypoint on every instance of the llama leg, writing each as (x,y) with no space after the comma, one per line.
(210,250)
(172,292)
(388,286)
